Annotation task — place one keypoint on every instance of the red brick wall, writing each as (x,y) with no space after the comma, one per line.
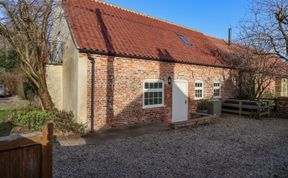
(119,88)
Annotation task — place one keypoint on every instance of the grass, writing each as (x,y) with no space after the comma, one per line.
(5,126)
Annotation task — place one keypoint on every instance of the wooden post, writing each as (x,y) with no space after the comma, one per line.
(258,110)
(240,107)
(47,151)
(277,104)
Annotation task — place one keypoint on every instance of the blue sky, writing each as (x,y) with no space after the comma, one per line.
(212,17)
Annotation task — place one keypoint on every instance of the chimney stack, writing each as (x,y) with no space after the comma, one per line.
(229,36)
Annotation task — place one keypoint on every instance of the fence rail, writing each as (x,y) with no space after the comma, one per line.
(27,155)
(278,105)
(246,107)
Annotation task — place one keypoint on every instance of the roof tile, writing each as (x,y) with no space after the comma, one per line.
(107,28)
(97,25)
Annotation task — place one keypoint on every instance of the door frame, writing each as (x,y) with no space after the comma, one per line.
(187,96)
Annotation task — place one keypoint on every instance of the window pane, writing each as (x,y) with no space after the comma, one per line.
(198,84)
(151,101)
(160,100)
(155,85)
(151,95)
(198,93)
(155,100)
(217,84)
(146,102)
(156,94)
(216,92)
(146,95)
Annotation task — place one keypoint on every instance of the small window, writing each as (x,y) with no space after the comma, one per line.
(184,40)
(153,93)
(217,89)
(198,89)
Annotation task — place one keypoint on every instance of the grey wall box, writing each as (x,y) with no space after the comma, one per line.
(215,107)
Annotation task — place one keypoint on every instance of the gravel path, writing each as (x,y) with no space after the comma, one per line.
(233,147)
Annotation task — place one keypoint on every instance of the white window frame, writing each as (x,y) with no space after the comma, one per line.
(215,88)
(198,88)
(153,90)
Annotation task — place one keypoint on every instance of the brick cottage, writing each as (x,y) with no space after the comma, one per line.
(142,69)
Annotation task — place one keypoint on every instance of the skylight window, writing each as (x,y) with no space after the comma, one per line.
(187,42)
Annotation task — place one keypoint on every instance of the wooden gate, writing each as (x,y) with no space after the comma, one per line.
(27,155)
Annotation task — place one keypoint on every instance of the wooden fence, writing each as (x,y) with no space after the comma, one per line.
(278,105)
(27,155)
(246,107)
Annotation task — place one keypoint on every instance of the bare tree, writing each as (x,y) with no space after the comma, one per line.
(26,25)
(267,27)
(255,70)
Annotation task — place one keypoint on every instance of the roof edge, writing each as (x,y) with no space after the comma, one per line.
(91,51)
(156,18)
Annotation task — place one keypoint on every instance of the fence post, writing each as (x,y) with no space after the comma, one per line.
(240,108)
(276,104)
(47,151)
(258,109)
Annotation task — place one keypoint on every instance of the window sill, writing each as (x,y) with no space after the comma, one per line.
(198,98)
(154,106)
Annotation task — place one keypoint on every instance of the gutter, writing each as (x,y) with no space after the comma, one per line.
(91,51)
(92,61)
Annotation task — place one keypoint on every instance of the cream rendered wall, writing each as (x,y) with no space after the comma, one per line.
(70,69)
(74,73)
(54,80)
(82,90)
(74,82)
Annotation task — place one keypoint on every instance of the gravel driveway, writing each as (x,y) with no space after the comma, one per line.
(233,147)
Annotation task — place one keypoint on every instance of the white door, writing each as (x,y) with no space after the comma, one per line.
(180,101)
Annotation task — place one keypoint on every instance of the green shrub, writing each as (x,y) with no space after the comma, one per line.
(3,114)
(32,119)
(65,123)
(203,105)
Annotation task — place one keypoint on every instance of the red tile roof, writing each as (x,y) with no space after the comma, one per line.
(102,27)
